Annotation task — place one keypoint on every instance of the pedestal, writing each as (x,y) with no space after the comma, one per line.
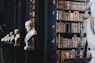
(11,49)
(92,56)
(18,53)
(30,56)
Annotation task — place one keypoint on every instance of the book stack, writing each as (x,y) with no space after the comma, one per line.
(32,9)
(75,40)
(68,54)
(61,15)
(69,16)
(69,42)
(84,41)
(67,27)
(68,4)
(73,53)
(64,42)
(75,27)
(80,6)
(58,40)
(81,16)
(58,56)
(63,56)
(81,53)
(59,27)
(61,4)
(76,15)
(81,0)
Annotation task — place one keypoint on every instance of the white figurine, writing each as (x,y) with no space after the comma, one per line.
(29,38)
(17,37)
(11,38)
(6,39)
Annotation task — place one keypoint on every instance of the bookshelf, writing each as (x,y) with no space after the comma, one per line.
(68,29)
(32,9)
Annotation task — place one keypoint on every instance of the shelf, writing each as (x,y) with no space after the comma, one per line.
(77,60)
(81,11)
(77,0)
(33,17)
(70,35)
(69,21)
(67,48)
(33,4)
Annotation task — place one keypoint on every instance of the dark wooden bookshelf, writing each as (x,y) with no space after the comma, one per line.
(62,49)
(69,35)
(77,0)
(69,21)
(65,9)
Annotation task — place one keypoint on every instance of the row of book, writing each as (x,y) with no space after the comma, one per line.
(72,16)
(64,27)
(68,10)
(32,1)
(81,0)
(69,54)
(32,9)
(69,42)
(71,5)
(32,4)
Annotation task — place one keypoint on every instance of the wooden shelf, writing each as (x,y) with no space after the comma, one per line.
(77,0)
(77,60)
(67,48)
(70,35)
(76,9)
(69,21)
(64,9)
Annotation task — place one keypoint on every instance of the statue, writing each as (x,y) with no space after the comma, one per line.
(17,37)
(11,38)
(91,31)
(31,33)
(18,49)
(30,48)
(6,39)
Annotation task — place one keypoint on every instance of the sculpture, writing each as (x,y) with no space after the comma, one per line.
(91,31)
(11,35)
(17,37)
(31,33)
(6,39)
(18,49)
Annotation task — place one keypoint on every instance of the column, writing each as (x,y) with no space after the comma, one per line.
(46,26)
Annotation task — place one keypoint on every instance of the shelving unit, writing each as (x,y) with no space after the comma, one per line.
(68,29)
(32,9)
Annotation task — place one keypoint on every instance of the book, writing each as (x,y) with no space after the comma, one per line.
(59,27)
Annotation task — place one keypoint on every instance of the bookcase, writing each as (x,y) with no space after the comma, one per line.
(68,29)
(32,9)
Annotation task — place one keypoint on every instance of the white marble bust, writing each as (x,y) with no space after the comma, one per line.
(29,38)
(6,39)
(17,37)
(11,38)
